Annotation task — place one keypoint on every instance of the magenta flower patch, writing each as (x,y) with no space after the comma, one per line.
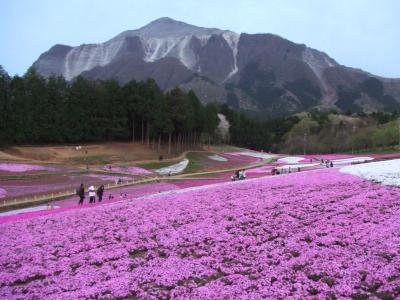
(132,170)
(138,171)
(19,168)
(308,235)
(3,193)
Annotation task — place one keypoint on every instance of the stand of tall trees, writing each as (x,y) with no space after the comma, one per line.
(36,110)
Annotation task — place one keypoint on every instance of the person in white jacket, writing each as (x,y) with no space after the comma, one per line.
(92,194)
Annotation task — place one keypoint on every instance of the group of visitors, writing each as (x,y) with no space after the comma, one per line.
(92,193)
(275,171)
(239,175)
(328,163)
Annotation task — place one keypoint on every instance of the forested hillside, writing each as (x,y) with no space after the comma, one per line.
(38,110)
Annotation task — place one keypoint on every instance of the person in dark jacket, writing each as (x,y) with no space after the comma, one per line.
(100,192)
(81,193)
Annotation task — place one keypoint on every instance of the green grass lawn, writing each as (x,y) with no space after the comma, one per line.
(197,162)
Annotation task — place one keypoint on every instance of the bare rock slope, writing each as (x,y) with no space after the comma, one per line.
(263,73)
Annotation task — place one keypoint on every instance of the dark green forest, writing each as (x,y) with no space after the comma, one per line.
(37,110)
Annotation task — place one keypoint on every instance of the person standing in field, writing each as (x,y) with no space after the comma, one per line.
(92,194)
(81,193)
(100,192)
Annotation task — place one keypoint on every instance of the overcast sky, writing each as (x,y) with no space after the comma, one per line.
(357,33)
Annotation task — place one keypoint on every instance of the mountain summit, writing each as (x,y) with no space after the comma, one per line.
(262,73)
(164,27)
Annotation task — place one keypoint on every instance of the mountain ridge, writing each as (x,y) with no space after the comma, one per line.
(264,73)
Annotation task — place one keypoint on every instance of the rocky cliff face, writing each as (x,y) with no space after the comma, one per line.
(262,73)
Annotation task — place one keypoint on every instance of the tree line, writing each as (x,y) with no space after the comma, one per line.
(37,110)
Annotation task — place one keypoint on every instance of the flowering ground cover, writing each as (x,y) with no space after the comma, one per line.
(297,166)
(188,183)
(255,156)
(71,203)
(173,169)
(117,194)
(123,193)
(24,187)
(19,168)
(312,161)
(310,235)
(291,160)
(138,171)
(128,169)
(260,170)
(217,157)
(236,157)
(386,172)
(3,193)
(359,159)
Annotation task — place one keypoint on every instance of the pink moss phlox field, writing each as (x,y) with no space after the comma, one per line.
(182,184)
(132,170)
(309,235)
(20,187)
(19,168)
(138,171)
(3,193)
(260,170)
(117,195)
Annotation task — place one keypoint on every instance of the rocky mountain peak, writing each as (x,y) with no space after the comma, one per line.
(262,73)
(169,28)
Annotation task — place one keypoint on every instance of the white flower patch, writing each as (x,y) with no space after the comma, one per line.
(174,169)
(290,160)
(385,172)
(217,158)
(257,154)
